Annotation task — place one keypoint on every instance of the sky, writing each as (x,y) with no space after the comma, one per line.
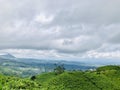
(60,29)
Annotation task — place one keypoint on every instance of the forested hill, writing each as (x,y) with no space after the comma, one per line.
(103,78)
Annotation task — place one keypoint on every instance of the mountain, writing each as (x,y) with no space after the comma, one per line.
(6,56)
(23,67)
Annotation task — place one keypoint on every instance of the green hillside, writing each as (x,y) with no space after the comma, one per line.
(104,78)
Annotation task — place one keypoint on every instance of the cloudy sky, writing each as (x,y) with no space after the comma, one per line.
(60,29)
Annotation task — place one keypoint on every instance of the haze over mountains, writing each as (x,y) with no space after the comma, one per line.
(6,56)
(10,65)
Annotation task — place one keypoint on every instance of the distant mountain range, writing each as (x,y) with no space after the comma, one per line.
(10,65)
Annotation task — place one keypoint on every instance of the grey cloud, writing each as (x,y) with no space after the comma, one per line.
(77,26)
(115,38)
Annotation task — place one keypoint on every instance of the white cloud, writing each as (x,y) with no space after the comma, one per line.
(44,19)
(60,28)
(95,54)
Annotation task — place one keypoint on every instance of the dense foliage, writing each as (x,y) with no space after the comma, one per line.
(15,83)
(59,69)
(103,78)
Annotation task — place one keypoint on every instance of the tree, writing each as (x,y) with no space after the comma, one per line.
(59,69)
(33,78)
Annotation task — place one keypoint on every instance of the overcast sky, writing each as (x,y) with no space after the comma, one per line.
(60,29)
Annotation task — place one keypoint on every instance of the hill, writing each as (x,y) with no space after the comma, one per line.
(103,78)
(106,79)
(24,67)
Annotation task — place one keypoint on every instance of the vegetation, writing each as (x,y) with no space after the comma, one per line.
(15,83)
(103,78)
(30,67)
(59,69)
